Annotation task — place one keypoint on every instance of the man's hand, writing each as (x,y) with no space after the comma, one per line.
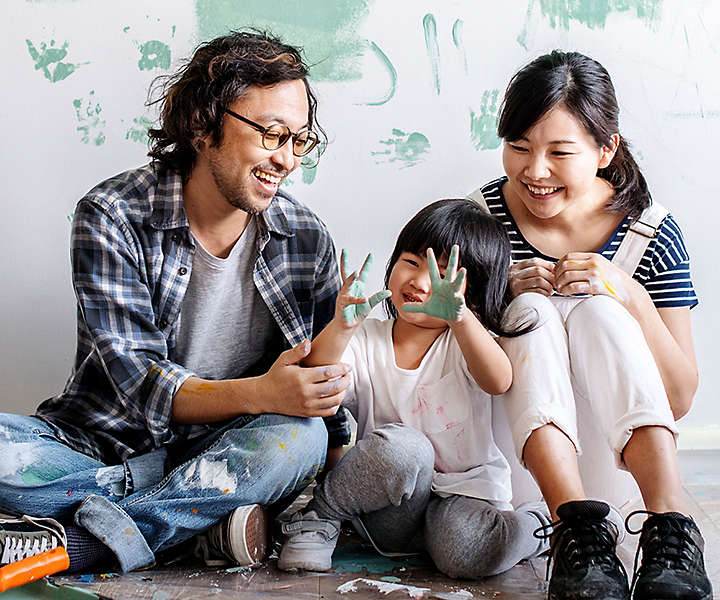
(289,389)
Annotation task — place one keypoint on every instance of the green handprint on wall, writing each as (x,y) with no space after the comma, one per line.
(446,300)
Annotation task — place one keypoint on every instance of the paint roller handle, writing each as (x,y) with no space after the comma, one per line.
(33,567)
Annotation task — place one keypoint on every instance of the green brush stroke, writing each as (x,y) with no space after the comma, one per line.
(139,131)
(594,13)
(409,149)
(522,37)
(308,174)
(391,71)
(483,125)
(38,475)
(90,124)
(50,56)
(457,36)
(326,30)
(433,51)
(154,55)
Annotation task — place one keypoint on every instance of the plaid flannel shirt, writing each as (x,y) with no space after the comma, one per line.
(131,260)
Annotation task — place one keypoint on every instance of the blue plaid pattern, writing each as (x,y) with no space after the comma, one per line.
(131,260)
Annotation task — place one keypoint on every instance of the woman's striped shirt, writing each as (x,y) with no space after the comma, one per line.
(664,270)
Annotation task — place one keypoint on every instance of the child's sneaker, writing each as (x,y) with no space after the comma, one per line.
(241,537)
(672,559)
(310,542)
(28,536)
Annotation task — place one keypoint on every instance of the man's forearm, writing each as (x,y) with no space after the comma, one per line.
(204,401)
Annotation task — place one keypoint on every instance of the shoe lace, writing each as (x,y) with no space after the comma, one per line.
(664,544)
(19,545)
(583,542)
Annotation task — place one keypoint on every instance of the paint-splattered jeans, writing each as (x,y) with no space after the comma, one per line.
(147,504)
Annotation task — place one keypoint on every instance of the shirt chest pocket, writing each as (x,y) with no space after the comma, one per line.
(441,406)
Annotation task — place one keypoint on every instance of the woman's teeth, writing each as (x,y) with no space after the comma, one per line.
(542,190)
(266,177)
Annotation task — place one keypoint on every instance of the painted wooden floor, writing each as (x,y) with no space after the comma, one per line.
(359,573)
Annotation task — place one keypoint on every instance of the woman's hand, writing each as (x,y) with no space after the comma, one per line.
(447,295)
(591,273)
(532,275)
(352,306)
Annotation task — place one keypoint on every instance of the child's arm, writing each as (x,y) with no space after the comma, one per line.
(351,308)
(486,360)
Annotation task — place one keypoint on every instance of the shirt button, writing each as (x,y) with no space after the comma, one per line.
(175,237)
(182,270)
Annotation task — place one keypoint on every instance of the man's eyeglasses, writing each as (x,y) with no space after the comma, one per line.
(276,136)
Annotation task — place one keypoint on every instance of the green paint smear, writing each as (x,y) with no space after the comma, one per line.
(390,68)
(457,36)
(139,131)
(88,116)
(594,13)
(483,124)
(409,149)
(308,174)
(38,475)
(49,59)
(154,55)
(355,558)
(431,45)
(327,31)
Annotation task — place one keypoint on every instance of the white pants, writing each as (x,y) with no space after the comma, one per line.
(587,369)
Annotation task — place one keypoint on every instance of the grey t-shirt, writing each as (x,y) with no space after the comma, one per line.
(225,326)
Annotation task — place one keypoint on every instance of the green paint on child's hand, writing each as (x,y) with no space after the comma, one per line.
(446,301)
(356,312)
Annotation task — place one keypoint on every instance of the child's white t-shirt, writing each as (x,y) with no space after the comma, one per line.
(439,398)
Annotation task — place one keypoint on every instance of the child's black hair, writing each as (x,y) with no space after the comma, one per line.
(484,252)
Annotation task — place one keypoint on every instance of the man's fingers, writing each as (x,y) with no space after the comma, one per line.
(320,374)
(325,389)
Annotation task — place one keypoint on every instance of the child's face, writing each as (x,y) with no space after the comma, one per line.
(410,282)
(555,164)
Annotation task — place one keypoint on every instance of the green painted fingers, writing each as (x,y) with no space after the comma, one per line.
(356,289)
(446,301)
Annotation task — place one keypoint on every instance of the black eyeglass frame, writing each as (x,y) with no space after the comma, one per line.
(290,135)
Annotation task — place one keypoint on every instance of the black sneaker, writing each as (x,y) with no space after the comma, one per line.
(582,551)
(672,559)
(28,536)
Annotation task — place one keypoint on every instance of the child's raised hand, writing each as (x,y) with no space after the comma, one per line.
(351,299)
(447,295)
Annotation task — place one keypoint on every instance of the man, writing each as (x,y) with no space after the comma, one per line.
(199,284)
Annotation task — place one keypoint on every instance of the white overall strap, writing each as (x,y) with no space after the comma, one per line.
(477,196)
(638,237)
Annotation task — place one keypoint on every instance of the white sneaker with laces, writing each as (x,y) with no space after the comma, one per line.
(310,542)
(27,536)
(241,538)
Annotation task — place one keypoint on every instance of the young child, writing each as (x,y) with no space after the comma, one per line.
(425,473)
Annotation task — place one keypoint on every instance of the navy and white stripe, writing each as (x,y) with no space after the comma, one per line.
(132,255)
(664,269)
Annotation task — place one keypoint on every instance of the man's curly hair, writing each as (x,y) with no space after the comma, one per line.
(193,100)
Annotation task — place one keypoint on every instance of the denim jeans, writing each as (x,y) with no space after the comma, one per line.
(151,502)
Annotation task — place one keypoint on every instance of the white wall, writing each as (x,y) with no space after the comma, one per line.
(662,55)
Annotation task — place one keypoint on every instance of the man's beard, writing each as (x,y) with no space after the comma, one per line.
(235,192)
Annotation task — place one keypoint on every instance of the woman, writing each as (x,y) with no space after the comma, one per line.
(613,346)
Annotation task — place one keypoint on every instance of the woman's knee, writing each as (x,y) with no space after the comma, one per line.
(599,311)
(529,308)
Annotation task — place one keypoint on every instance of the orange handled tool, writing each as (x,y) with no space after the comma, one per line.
(34,567)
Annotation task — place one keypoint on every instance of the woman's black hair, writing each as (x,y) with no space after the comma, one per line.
(583,87)
(484,252)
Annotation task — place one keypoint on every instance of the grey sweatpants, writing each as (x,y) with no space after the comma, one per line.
(386,478)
